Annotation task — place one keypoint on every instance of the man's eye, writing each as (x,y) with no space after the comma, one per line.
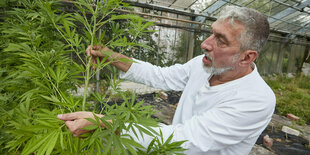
(219,41)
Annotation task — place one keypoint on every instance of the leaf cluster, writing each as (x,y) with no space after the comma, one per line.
(159,146)
(38,76)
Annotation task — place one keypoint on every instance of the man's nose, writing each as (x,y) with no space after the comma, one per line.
(207,44)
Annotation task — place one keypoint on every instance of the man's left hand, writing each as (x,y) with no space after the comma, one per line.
(76,121)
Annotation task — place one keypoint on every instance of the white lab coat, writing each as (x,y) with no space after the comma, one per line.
(225,119)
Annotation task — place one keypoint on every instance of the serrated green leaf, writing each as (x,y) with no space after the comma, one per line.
(143,130)
(90,127)
(91,120)
(134,118)
(168,140)
(108,117)
(161,136)
(108,145)
(97,119)
(16,144)
(50,143)
(152,130)
(67,28)
(133,130)
(130,149)
(131,142)
(61,139)
(151,145)
(44,123)
(139,104)
(38,143)
(117,143)
(52,98)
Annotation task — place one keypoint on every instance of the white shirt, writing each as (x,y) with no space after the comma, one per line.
(225,119)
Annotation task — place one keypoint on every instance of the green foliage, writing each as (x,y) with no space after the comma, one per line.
(182,46)
(37,77)
(158,146)
(35,65)
(126,116)
(182,49)
(293,95)
(147,53)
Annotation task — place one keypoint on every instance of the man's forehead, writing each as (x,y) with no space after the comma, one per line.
(216,26)
(229,22)
(220,25)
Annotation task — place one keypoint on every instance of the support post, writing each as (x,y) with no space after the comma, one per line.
(191,44)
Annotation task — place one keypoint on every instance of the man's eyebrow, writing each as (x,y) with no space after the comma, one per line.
(221,36)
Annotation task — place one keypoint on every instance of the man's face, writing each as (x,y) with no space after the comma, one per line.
(222,47)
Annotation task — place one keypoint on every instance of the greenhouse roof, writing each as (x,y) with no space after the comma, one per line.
(290,17)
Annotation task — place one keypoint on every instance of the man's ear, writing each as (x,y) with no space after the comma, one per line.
(248,57)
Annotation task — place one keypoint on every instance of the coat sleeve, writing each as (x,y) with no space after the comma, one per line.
(167,78)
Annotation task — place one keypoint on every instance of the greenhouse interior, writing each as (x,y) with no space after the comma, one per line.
(158,77)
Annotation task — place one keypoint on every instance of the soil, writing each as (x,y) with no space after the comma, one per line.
(285,144)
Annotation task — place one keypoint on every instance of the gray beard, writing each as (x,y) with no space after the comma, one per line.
(213,70)
(217,71)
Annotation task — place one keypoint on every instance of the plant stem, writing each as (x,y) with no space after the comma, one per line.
(78,148)
(87,76)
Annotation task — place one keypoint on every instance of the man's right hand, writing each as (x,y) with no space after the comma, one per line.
(97,51)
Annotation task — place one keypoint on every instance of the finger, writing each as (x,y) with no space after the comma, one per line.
(80,132)
(96,47)
(76,126)
(95,52)
(88,50)
(106,49)
(94,60)
(67,116)
(71,126)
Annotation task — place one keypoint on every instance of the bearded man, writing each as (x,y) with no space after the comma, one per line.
(225,104)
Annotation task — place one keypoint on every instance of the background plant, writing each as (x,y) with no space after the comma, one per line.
(29,59)
(293,95)
(38,76)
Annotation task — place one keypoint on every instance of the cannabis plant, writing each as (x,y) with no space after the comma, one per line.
(38,78)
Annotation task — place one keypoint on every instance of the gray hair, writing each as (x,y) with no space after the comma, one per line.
(256,25)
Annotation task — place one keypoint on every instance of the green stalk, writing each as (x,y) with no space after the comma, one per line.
(87,76)
(78,148)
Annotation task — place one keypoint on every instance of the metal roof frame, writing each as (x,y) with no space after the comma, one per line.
(277,13)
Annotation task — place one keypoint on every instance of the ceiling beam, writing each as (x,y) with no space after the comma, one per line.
(208,11)
(288,11)
(166,9)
